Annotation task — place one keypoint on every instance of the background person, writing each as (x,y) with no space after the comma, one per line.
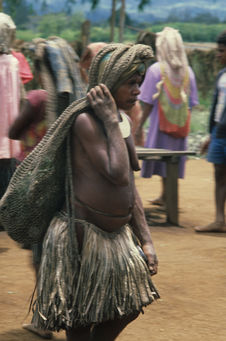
(89,53)
(216,143)
(39,109)
(57,68)
(10,95)
(167,94)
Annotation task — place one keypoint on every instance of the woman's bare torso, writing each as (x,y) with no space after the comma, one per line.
(97,199)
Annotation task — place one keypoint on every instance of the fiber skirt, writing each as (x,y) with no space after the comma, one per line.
(108,280)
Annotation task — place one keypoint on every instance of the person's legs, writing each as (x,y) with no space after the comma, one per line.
(44,334)
(220,198)
(79,334)
(161,199)
(111,329)
(217,155)
(220,192)
(36,255)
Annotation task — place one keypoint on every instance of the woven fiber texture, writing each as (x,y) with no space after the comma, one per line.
(43,181)
(111,281)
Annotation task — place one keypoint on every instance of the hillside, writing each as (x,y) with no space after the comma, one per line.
(158,10)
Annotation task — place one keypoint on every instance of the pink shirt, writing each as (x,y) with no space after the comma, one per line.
(9,104)
(24,68)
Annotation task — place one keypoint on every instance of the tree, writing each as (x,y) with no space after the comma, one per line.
(52,24)
(122,20)
(141,5)
(44,7)
(69,5)
(206,17)
(19,10)
(113,17)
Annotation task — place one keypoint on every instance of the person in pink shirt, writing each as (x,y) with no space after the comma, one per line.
(24,67)
(29,127)
(9,99)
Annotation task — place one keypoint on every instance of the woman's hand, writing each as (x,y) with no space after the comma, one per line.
(205,146)
(103,103)
(152,260)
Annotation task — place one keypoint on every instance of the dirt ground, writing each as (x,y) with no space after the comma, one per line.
(191,279)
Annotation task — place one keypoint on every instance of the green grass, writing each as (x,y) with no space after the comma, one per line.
(199,121)
(200,116)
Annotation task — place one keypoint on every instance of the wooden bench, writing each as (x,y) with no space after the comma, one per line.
(172,159)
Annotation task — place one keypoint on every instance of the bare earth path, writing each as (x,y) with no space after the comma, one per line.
(191,279)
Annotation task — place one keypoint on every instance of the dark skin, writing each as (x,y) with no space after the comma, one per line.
(218,225)
(103,164)
(27,117)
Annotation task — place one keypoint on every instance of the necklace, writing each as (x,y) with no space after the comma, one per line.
(124,125)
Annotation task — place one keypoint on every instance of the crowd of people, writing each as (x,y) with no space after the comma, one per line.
(68,148)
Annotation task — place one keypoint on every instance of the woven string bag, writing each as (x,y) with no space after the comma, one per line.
(43,181)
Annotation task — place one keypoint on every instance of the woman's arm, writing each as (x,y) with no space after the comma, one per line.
(22,122)
(146,111)
(141,230)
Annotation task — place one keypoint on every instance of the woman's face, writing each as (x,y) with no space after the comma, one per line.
(126,95)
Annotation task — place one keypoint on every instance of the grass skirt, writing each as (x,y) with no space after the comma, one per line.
(108,280)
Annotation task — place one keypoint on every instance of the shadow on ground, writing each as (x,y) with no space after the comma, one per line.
(23,335)
(3,249)
(156,216)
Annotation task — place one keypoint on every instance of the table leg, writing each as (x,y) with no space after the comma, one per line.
(171,185)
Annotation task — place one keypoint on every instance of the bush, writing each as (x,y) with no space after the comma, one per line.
(52,24)
(70,35)
(100,34)
(27,35)
(192,32)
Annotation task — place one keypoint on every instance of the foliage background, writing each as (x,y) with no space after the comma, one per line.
(36,19)
(68,27)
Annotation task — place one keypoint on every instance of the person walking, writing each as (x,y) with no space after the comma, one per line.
(98,256)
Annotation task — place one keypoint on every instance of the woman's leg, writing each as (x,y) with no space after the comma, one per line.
(111,329)
(162,198)
(79,334)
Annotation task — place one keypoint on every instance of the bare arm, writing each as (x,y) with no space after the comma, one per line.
(108,154)
(22,122)
(146,109)
(141,230)
(205,145)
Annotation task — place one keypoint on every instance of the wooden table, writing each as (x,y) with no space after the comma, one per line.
(172,159)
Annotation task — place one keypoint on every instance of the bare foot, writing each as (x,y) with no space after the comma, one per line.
(216,226)
(158,201)
(45,334)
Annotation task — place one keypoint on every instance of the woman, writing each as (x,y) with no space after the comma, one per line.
(167,95)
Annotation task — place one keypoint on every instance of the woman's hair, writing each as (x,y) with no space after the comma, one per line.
(221,39)
(172,57)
